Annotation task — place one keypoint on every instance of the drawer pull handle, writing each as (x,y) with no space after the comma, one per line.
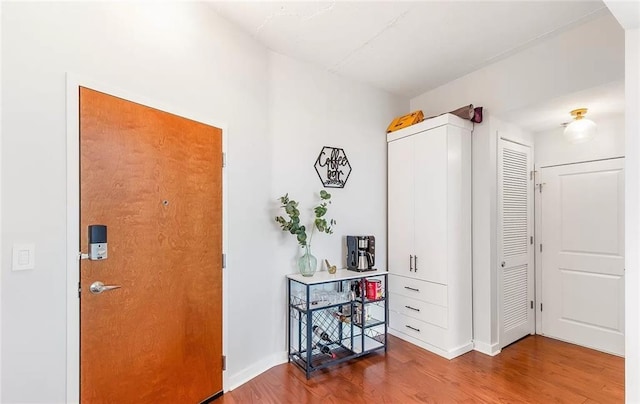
(415,264)
(412,308)
(414,289)
(413,328)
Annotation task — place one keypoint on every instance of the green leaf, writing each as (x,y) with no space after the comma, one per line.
(302,238)
(320,210)
(292,225)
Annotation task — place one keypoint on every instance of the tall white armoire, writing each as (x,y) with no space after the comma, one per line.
(429,234)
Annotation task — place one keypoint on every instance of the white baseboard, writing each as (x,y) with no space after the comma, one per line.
(240,378)
(487,349)
(447,354)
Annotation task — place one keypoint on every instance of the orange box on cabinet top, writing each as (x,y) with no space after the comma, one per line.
(405,120)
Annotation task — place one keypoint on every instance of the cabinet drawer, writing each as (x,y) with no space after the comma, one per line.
(418,309)
(429,292)
(429,333)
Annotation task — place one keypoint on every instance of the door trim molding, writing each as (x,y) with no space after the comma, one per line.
(579,162)
(73,82)
(515,141)
(537,226)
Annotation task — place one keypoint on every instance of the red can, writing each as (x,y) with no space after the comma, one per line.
(374,289)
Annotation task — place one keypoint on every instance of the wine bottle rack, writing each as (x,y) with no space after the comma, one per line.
(352,325)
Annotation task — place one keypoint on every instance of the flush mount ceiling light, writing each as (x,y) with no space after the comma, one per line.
(580,129)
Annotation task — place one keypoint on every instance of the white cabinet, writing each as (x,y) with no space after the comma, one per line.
(429,234)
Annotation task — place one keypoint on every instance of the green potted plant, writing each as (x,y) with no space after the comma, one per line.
(307,263)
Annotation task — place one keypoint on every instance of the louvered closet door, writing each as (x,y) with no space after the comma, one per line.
(515,250)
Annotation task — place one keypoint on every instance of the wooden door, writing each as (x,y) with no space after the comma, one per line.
(400,205)
(515,242)
(582,258)
(155,179)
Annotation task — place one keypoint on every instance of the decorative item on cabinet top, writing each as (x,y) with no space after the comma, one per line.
(468,112)
(405,120)
(332,167)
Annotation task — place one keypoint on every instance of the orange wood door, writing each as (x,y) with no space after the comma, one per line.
(155,179)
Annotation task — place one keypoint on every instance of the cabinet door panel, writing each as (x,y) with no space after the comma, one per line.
(400,207)
(431,158)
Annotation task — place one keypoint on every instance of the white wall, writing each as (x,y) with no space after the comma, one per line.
(311,108)
(628,14)
(559,65)
(1,254)
(552,148)
(586,56)
(182,55)
(179,54)
(632,217)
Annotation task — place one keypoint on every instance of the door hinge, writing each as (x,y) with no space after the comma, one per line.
(540,306)
(532,175)
(224,260)
(532,304)
(79,290)
(540,247)
(531,240)
(224,362)
(224,160)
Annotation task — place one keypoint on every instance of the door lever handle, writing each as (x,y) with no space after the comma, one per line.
(98,287)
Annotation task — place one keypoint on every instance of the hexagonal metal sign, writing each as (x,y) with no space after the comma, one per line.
(333,167)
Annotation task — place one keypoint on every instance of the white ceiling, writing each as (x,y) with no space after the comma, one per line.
(602,102)
(408,48)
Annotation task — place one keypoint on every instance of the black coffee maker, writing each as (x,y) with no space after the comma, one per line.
(361,253)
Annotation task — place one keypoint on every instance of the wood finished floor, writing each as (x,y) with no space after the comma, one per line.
(533,370)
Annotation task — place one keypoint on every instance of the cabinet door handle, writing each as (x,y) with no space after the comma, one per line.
(413,328)
(415,263)
(412,308)
(411,263)
(414,289)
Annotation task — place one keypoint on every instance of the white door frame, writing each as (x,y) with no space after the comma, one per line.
(73,216)
(537,216)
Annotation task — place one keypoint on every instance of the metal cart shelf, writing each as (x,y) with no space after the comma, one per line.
(331,320)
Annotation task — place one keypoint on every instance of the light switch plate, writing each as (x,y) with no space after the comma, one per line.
(24,257)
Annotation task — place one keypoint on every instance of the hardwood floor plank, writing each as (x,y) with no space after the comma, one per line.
(533,370)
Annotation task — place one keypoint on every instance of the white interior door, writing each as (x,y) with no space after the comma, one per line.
(582,257)
(515,245)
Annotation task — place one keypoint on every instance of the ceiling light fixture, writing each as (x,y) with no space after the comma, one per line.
(581,129)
